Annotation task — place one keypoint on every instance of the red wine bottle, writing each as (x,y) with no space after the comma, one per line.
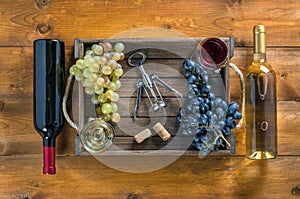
(48,95)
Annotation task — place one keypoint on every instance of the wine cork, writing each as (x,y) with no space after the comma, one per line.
(143,135)
(161,131)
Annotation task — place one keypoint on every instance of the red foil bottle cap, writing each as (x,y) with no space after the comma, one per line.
(49,160)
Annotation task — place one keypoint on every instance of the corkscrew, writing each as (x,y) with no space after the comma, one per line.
(148,84)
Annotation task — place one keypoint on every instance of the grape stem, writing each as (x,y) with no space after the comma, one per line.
(221,135)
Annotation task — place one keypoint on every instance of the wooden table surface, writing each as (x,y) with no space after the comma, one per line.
(215,176)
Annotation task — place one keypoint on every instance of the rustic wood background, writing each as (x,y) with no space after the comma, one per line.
(22,22)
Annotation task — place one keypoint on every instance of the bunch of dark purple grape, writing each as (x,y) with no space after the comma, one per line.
(207,117)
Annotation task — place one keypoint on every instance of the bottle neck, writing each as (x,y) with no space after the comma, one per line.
(259,57)
(49,141)
(259,47)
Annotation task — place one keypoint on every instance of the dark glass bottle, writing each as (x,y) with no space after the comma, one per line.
(48,95)
(260,103)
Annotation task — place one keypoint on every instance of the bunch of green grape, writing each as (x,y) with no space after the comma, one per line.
(99,73)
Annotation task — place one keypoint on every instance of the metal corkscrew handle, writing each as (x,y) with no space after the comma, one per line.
(145,77)
(134,56)
(148,84)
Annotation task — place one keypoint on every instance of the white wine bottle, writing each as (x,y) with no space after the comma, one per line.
(260,102)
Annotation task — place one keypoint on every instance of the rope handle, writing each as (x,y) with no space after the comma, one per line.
(64,103)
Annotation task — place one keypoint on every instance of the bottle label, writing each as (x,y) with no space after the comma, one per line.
(262,85)
(264,126)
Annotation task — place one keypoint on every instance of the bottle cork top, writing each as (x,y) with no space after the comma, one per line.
(259,38)
(259,28)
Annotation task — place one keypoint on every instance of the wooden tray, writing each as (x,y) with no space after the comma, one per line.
(169,52)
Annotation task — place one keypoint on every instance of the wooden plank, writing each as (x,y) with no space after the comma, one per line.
(175,146)
(188,177)
(17,72)
(17,134)
(174,50)
(25,21)
(128,88)
(154,48)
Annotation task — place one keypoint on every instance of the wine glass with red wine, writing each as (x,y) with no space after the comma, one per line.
(212,53)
